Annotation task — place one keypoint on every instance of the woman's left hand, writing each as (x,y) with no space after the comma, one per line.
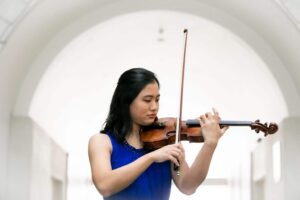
(210,127)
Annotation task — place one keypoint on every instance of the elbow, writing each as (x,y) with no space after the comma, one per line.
(188,187)
(105,193)
(103,189)
(188,191)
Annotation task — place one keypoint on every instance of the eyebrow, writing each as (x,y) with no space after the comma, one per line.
(146,96)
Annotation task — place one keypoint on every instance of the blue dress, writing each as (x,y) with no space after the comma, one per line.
(152,184)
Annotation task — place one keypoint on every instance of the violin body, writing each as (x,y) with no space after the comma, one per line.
(163,132)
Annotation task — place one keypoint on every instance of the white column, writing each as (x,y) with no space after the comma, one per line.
(290,157)
(276,164)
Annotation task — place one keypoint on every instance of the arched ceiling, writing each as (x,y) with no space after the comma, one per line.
(222,71)
(48,28)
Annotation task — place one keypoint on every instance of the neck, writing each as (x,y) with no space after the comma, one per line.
(136,129)
(134,137)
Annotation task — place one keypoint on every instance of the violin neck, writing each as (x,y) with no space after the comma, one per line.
(195,123)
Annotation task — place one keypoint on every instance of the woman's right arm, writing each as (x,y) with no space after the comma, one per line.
(106,180)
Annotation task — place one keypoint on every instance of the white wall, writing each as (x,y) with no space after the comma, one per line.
(37,167)
(265,184)
(4,134)
(19,159)
(276,42)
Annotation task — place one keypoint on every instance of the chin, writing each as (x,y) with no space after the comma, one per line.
(148,122)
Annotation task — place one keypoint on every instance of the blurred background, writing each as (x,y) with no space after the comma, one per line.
(59,65)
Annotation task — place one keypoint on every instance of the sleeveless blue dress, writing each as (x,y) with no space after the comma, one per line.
(152,184)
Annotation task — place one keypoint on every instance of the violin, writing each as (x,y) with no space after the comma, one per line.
(172,130)
(163,131)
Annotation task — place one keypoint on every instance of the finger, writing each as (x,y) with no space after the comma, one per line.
(181,148)
(175,152)
(173,148)
(215,111)
(224,129)
(203,118)
(176,147)
(181,156)
(179,152)
(199,119)
(174,160)
(208,115)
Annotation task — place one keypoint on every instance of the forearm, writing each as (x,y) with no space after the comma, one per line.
(211,132)
(199,169)
(120,178)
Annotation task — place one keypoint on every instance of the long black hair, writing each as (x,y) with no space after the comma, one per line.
(131,82)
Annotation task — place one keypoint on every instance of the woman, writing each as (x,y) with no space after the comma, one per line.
(122,168)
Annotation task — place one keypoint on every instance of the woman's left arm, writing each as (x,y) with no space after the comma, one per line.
(191,177)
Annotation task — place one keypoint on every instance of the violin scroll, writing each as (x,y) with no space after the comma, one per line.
(266,128)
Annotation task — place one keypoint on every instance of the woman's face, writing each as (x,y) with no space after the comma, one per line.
(145,106)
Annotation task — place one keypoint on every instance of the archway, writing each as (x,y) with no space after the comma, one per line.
(76,74)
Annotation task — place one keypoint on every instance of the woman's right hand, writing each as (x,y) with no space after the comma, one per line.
(173,152)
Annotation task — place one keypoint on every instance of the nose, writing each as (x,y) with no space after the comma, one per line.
(154,105)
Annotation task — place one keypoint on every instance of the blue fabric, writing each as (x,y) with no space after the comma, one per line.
(152,184)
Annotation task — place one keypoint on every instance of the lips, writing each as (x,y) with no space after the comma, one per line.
(152,115)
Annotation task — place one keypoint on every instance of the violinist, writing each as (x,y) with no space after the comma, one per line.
(122,169)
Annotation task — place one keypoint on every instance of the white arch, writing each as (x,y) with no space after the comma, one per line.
(66,34)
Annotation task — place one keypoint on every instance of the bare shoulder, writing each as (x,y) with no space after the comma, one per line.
(99,153)
(99,142)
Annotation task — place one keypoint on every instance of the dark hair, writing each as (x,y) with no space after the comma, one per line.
(131,82)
